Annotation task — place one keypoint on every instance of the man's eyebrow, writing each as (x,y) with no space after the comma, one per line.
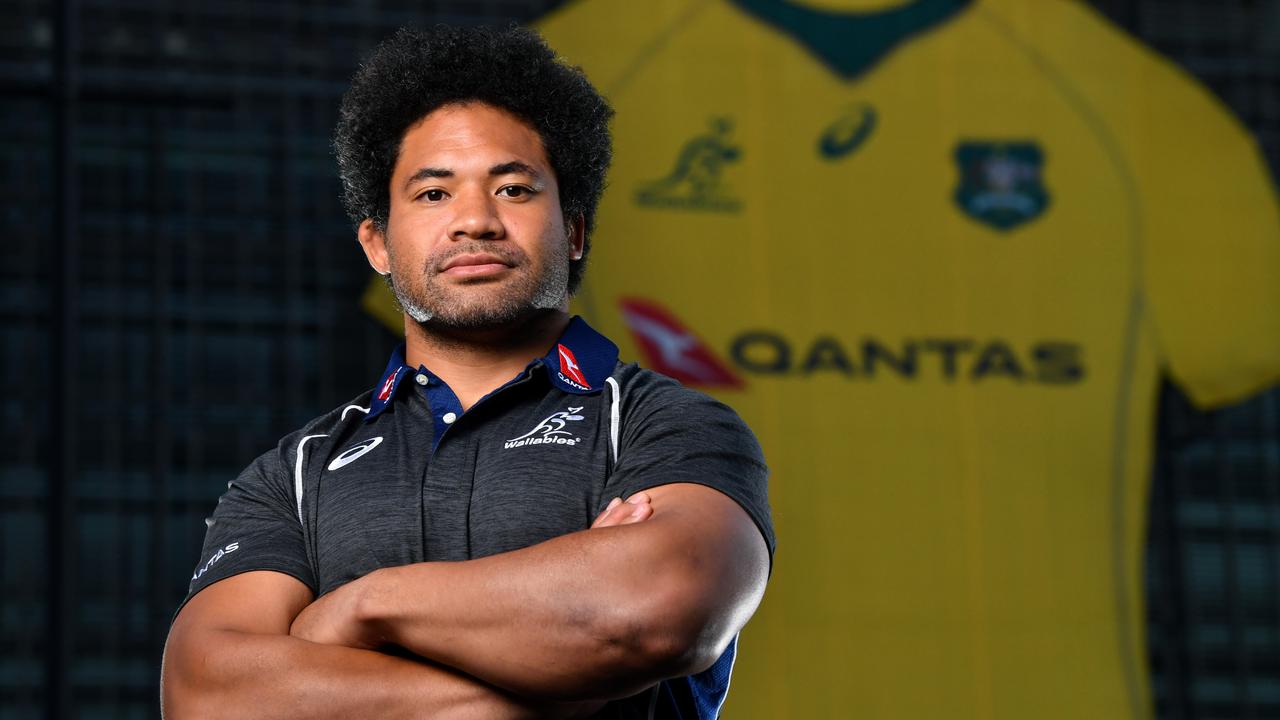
(427,172)
(506,168)
(513,167)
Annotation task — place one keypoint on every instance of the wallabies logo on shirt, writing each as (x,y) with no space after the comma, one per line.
(694,183)
(550,431)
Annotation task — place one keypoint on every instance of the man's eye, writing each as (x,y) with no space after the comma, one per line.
(515,191)
(433,195)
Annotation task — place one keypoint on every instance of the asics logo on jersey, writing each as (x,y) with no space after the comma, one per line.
(550,431)
(847,133)
(354,453)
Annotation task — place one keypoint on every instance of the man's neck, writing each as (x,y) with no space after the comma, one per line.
(474,363)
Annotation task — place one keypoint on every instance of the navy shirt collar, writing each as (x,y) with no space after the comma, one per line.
(386,388)
(581,360)
(578,363)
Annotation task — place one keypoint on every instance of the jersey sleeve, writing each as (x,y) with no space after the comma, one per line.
(1212,257)
(670,434)
(255,526)
(1205,207)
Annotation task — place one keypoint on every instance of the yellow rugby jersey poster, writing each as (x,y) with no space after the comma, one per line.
(938,253)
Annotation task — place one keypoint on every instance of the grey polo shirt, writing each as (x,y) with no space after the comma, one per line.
(402,475)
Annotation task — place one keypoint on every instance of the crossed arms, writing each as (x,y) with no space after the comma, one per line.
(656,589)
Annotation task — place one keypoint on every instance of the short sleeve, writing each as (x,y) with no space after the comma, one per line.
(671,434)
(1205,209)
(255,526)
(1212,227)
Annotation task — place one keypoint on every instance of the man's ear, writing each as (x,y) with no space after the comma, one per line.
(577,237)
(374,243)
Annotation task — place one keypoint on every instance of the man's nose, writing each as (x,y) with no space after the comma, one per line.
(476,217)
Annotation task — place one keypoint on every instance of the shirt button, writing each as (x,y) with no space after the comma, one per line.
(449,418)
(422,379)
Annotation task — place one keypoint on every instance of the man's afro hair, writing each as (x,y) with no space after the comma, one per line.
(415,72)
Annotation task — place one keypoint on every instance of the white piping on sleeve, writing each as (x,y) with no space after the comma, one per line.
(297,475)
(615,416)
(353,407)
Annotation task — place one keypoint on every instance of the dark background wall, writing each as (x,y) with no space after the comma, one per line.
(179,288)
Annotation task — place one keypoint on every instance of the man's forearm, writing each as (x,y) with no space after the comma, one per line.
(558,637)
(225,673)
(602,613)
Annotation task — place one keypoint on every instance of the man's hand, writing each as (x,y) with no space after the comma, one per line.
(636,509)
(335,618)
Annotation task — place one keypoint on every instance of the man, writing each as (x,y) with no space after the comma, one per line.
(511,523)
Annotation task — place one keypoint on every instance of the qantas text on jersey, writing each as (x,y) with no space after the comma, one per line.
(1049,362)
(673,348)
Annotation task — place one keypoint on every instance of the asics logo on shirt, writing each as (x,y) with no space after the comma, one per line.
(354,453)
(847,133)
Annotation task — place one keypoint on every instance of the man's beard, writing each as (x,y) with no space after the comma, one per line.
(431,304)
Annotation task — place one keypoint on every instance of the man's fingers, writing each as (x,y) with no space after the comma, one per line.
(639,512)
(635,509)
(605,513)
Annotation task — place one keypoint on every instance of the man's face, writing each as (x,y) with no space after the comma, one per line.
(476,237)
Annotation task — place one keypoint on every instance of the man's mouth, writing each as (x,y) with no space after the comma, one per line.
(471,265)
